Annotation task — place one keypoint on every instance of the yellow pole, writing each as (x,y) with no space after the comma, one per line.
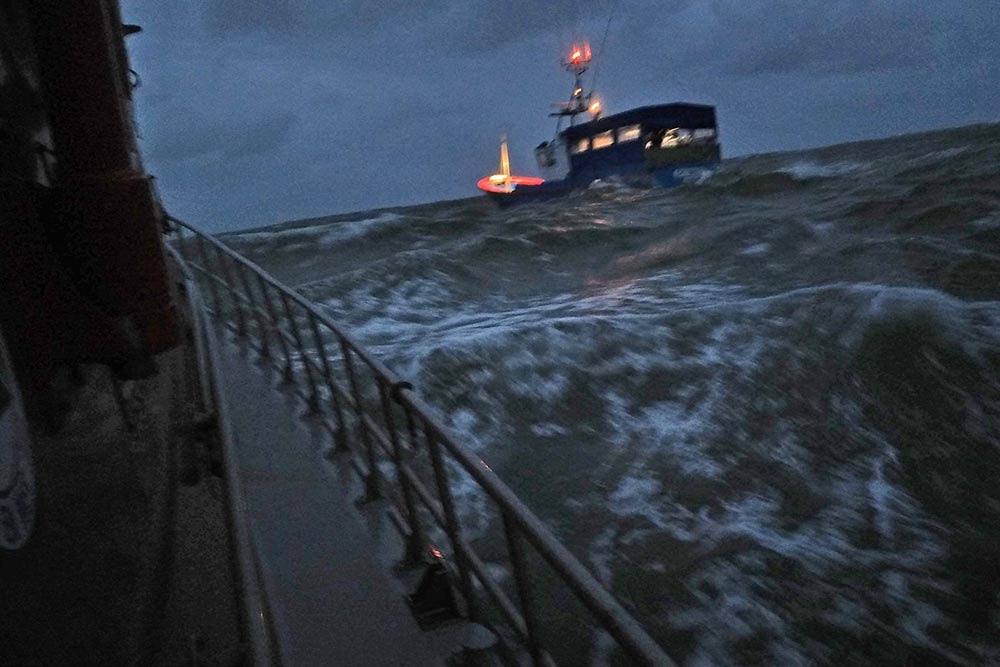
(505,162)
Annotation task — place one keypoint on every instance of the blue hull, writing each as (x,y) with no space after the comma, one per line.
(532,193)
(667,177)
(687,173)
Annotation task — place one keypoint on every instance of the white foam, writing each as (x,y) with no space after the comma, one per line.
(823,545)
(549,430)
(352,229)
(939,155)
(988,222)
(637,495)
(614,183)
(756,249)
(805,169)
(282,235)
(601,555)
(531,348)
(321,235)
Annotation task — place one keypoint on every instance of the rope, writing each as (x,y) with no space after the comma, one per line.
(600,51)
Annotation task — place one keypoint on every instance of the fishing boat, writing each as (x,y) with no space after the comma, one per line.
(659,145)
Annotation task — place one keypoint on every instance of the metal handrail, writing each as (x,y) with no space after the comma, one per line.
(276,320)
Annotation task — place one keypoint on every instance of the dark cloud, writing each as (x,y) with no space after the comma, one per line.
(259,138)
(462,27)
(486,25)
(222,16)
(309,19)
(188,136)
(823,38)
(759,37)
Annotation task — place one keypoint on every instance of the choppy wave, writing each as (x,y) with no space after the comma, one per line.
(765,407)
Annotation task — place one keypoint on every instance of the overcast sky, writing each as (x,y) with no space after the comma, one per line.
(253,112)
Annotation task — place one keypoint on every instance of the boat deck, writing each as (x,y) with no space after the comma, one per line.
(131,560)
(326,564)
(127,565)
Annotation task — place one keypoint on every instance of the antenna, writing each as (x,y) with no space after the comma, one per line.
(600,50)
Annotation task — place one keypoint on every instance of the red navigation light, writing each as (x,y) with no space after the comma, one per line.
(580,54)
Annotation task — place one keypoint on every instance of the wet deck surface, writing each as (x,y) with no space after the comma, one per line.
(333,598)
(130,562)
(126,565)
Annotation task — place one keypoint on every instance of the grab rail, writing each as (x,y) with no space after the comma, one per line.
(332,383)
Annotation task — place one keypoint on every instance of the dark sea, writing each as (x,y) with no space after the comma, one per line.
(764,409)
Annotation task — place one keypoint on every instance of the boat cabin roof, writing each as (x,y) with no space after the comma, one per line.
(679,114)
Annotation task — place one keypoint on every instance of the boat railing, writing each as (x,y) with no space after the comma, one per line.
(401,450)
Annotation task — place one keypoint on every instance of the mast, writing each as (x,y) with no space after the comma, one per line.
(505,163)
(503,179)
(580,101)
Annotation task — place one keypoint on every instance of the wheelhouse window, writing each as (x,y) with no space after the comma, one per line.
(629,133)
(580,146)
(672,138)
(704,134)
(603,140)
(675,137)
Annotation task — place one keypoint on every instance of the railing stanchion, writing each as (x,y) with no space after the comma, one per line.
(293,322)
(210,278)
(286,372)
(265,348)
(181,240)
(227,275)
(519,564)
(340,435)
(452,527)
(373,479)
(416,542)
(411,428)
